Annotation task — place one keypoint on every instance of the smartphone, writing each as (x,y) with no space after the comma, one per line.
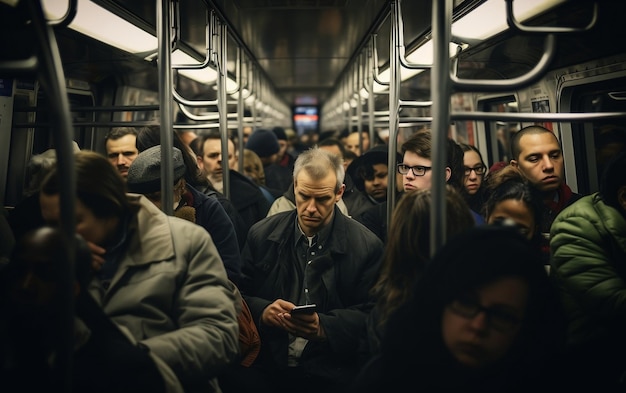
(306,309)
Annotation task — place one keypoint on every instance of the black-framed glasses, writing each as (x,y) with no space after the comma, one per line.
(497,318)
(418,170)
(480,170)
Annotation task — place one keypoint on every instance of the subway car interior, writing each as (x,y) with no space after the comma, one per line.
(316,65)
(476,71)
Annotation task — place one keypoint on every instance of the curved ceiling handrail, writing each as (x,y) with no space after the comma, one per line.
(496,85)
(375,56)
(515,24)
(520,116)
(208,43)
(194,104)
(401,49)
(66,19)
(415,104)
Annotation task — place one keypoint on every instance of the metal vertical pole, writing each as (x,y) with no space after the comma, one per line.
(164,33)
(222,104)
(441,88)
(394,106)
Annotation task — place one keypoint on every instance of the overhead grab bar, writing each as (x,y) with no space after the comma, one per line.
(515,24)
(195,104)
(558,117)
(375,56)
(69,16)
(401,49)
(208,44)
(496,85)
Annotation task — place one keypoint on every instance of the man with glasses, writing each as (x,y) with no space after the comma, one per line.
(416,171)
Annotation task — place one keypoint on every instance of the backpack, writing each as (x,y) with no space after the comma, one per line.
(249,338)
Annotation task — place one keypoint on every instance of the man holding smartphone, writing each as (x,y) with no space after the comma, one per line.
(313,255)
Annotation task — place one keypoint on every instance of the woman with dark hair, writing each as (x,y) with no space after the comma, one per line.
(408,253)
(482,318)
(512,197)
(475,170)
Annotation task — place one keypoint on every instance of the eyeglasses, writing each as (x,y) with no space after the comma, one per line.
(498,319)
(480,169)
(418,170)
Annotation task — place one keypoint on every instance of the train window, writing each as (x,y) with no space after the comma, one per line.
(43,138)
(595,143)
(499,132)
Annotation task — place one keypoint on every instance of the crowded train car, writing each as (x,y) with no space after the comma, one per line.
(262,78)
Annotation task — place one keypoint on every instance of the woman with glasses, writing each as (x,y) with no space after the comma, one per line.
(474,173)
(482,318)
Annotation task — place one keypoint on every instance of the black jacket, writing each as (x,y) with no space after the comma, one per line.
(342,277)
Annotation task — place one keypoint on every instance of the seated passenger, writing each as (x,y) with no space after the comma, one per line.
(483,317)
(144,177)
(588,262)
(311,255)
(159,277)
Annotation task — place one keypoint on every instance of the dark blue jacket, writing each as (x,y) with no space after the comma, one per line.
(211,216)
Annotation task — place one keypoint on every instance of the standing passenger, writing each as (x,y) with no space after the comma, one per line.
(121,148)
(159,277)
(150,136)
(416,171)
(313,255)
(287,201)
(483,317)
(280,172)
(369,173)
(511,197)
(475,170)
(538,156)
(589,266)
(407,253)
(144,177)
(265,144)
(244,194)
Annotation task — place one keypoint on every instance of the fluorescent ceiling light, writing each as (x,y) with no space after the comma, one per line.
(490,17)
(203,75)
(485,21)
(102,25)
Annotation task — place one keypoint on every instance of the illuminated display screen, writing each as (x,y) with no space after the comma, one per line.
(305,118)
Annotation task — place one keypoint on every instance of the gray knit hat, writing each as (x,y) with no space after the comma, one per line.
(144,174)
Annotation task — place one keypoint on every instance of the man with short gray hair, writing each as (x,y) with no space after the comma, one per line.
(310,255)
